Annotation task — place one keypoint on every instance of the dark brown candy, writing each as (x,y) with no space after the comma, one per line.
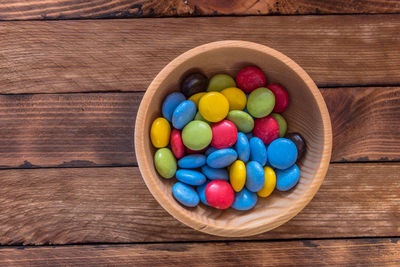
(193,84)
(298,140)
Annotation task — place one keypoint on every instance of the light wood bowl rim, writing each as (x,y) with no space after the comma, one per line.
(145,164)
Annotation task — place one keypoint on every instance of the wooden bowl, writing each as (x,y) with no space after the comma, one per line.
(306,114)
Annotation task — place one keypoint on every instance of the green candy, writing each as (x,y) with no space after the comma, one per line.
(197,135)
(165,162)
(198,117)
(220,81)
(281,123)
(261,102)
(242,120)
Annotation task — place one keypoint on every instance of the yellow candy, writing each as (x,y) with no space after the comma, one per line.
(196,98)
(237,175)
(237,98)
(214,106)
(160,132)
(270,181)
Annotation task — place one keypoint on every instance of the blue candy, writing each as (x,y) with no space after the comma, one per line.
(258,152)
(190,177)
(287,179)
(185,195)
(183,114)
(282,153)
(192,161)
(201,190)
(170,104)
(221,158)
(210,150)
(242,147)
(215,174)
(244,200)
(255,176)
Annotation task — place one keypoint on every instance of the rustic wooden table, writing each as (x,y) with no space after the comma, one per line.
(71,82)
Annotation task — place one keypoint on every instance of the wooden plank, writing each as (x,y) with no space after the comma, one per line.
(67,130)
(365,123)
(125,55)
(84,205)
(354,252)
(76,9)
(96,129)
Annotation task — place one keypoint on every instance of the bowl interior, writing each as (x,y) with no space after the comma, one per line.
(306,114)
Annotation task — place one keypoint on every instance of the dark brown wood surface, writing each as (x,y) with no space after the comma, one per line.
(105,205)
(78,9)
(356,252)
(125,55)
(96,129)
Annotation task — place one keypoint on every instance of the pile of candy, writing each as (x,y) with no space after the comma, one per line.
(228,138)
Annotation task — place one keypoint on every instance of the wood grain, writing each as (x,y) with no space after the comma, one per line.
(96,129)
(77,9)
(365,123)
(355,252)
(67,130)
(126,55)
(82,205)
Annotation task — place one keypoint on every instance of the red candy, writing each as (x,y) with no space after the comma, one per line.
(266,128)
(219,194)
(281,97)
(176,144)
(224,134)
(189,151)
(250,78)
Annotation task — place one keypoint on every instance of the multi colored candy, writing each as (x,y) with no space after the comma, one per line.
(281,97)
(177,146)
(194,83)
(224,134)
(190,177)
(237,98)
(242,147)
(255,176)
(196,135)
(282,153)
(266,128)
(237,175)
(250,78)
(185,194)
(242,120)
(219,82)
(298,140)
(170,103)
(214,106)
(282,125)
(165,162)
(286,179)
(226,147)
(244,200)
(183,114)
(219,194)
(261,102)
(160,132)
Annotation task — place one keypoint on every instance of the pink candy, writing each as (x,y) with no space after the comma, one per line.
(224,134)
